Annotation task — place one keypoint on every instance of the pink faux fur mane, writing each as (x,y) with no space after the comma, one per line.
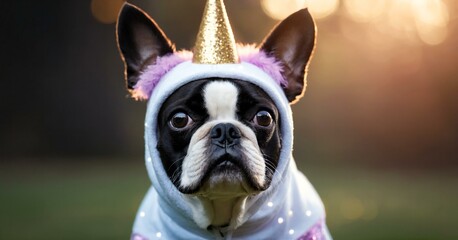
(154,73)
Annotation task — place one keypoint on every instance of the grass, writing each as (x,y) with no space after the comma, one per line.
(91,200)
(386,204)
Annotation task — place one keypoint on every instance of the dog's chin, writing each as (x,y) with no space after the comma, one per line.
(225,180)
(227,177)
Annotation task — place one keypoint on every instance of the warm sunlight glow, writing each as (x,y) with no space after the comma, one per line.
(322,8)
(364,10)
(424,20)
(280,9)
(431,18)
(410,20)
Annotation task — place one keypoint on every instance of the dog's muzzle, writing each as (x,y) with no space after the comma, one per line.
(225,139)
(225,135)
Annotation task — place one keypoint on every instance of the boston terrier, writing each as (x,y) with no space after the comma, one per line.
(219,135)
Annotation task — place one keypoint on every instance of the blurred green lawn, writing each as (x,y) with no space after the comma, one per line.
(94,200)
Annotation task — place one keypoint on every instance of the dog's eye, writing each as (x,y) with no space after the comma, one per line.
(180,121)
(263,118)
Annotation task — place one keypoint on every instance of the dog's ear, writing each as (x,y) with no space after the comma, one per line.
(140,41)
(292,42)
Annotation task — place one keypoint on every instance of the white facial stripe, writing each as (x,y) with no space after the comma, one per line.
(210,207)
(221,100)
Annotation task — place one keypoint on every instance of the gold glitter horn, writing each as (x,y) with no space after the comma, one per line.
(215,42)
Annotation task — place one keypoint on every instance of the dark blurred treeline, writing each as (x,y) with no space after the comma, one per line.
(63,91)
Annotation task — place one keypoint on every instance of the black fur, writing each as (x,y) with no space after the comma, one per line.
(292,43)
(140,41)
(173,145)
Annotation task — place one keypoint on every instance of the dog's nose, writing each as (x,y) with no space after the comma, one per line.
(225,135)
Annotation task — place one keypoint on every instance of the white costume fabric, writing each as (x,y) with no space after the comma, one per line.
(289,209)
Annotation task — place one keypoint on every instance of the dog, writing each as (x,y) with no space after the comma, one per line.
(219,136)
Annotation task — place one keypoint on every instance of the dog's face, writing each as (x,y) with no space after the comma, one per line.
(219,137)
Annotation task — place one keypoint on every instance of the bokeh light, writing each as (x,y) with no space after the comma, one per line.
(363,10)
(352,208)
(410,20)
(431,18)
(426,20)
(322,8)
(280,9)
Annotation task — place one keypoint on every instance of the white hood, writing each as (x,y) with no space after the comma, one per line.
(289,209)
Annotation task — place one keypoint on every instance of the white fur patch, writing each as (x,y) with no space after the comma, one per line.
(224,202)
(221,100)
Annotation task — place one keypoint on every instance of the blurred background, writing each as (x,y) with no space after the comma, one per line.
(376,132)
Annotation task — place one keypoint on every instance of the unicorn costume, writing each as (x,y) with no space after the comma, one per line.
(289,209)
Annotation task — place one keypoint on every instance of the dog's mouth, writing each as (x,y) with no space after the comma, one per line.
(226,175)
